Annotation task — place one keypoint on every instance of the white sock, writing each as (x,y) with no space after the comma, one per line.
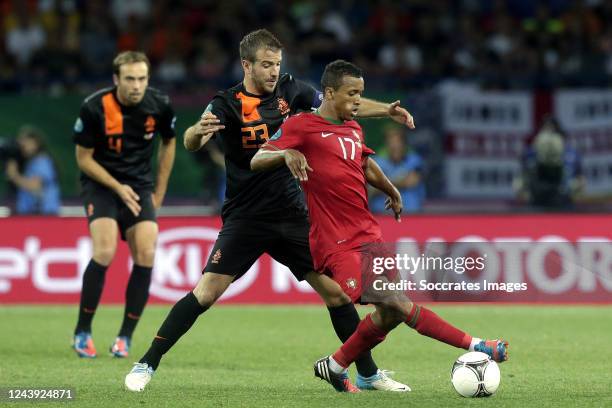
(474,342)
(335,367)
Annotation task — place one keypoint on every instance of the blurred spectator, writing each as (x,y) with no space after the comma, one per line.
(404,167)
(59,60)
(125,10)
(131,36)
(24,38)
(552,170)
(97,39)
(172,68)
(210,61)
(37,185)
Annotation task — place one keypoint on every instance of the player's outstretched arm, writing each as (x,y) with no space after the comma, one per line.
(377,178)
(265,160)
(268,159)
(372,109)
(198,135)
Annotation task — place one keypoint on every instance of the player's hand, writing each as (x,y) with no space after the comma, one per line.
(12,170)
(401,115)
(297,164)
(208,125)
(130,198)
(394,202)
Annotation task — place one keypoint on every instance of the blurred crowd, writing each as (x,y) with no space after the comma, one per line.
(60,46)
(65,45)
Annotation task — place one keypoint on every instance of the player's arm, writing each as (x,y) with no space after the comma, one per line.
(309,98)
(377,178)
(88,165)
(268,158)
(372,109)
(281,149)
(211,121)
(165,160)
(199,134)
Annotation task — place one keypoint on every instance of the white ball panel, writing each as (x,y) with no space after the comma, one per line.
(465,380)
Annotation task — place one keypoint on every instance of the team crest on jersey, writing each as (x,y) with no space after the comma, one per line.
(150,124)
(216,257)
(283,106)
(351,283)
(149,127)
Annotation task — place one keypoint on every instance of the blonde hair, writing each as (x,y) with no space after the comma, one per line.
(130,57)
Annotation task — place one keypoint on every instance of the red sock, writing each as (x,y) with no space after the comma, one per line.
(431,325)
(366,337)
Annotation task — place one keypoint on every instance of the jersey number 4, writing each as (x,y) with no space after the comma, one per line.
(114,143)
(253,137)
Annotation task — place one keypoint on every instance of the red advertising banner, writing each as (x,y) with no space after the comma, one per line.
(559,258)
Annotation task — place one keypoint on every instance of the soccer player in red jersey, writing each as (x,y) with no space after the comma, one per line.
(326,151)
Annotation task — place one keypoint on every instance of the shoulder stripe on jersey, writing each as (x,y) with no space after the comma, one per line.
(249,107)
(101,91)
(113,118)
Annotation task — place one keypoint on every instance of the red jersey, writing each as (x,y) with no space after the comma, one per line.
(336,188)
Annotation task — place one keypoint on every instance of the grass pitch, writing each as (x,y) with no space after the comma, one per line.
(256,356)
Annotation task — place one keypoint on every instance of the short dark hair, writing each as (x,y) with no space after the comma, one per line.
(335,71)
(130,57)
(256,40)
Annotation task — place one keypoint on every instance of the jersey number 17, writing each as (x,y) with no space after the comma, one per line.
(350,144)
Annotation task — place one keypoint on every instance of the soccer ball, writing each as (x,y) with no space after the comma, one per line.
(474,374)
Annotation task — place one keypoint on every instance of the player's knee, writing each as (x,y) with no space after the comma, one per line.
(104,253)
(205,297)
(331,293)
(207,292)
(336,298)
(144,256)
